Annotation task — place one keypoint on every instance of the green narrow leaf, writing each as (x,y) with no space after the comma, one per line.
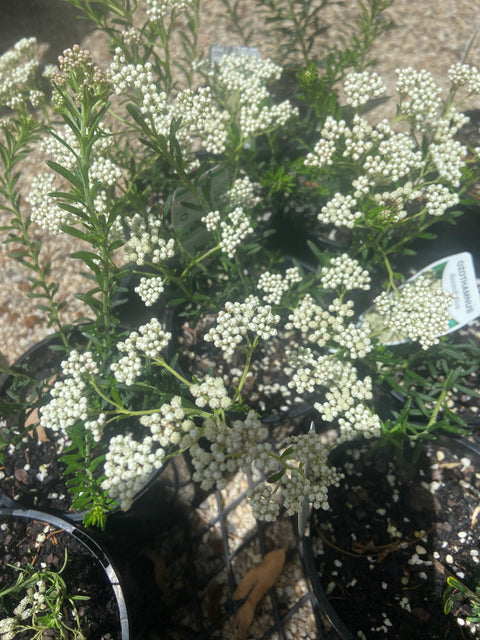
(66,173)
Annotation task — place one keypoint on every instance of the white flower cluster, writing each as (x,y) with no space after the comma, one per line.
(242,194)
(211,391)
(17,75)
(396,157)
(67,154)
(360,138)
(256,119)
(420,310)
(275,284)
(345,272)
(308,482)
(345,392)
(356,340)
(230,448)
(391,165)
(68,403)
(33,604)
(145,242)
(150,340)
(465,75)
(439,199)
(234,231)
(338,376)
(420,97)
(128,467)
(96,426)
(211,220)
(237,319)
(104,170)
(359,420)
(449,158)
(169,424)
(325,147)
(198,111)
(201,117)
(392,203)
(8,628)
(157,9)
(362,87)
(45,210)
(150,289)
(246,77)
(338,211)
(321,325)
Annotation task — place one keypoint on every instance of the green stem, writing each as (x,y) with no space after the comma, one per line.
(249,352)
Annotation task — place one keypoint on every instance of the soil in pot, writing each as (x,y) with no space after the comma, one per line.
(396,529)
(26,540)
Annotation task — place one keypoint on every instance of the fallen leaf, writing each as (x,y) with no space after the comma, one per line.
(21,475)
(475,513)
(41,435)
(370,548)
(32,418)
(449,465)
(159,568)
(254,584)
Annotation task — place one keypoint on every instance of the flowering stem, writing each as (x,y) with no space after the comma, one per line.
(163,363)
(198,260)
(11,153)
(391,283)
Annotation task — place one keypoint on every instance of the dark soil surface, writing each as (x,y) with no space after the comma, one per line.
(395,531)
(84,575)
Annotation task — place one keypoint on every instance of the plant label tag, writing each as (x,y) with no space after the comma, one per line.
(187,213)
(217,51)
(456,274)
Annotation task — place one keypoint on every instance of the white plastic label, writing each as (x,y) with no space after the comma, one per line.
(455,274)
(217,51)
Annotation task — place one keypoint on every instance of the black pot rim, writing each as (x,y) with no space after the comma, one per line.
(94,549)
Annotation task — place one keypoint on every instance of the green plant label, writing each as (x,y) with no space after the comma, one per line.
(187,212)
(456,274)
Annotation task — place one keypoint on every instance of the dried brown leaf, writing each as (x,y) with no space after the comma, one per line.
(159,568)
(41,435)
(253,586)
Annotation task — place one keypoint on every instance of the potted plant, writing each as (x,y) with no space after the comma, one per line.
(56,579)
(184,184)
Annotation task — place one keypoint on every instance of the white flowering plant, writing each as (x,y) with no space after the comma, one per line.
(35,602)
(179,196)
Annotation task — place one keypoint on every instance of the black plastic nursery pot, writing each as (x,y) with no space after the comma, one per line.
(31,474)
(44,541)
(397,527)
